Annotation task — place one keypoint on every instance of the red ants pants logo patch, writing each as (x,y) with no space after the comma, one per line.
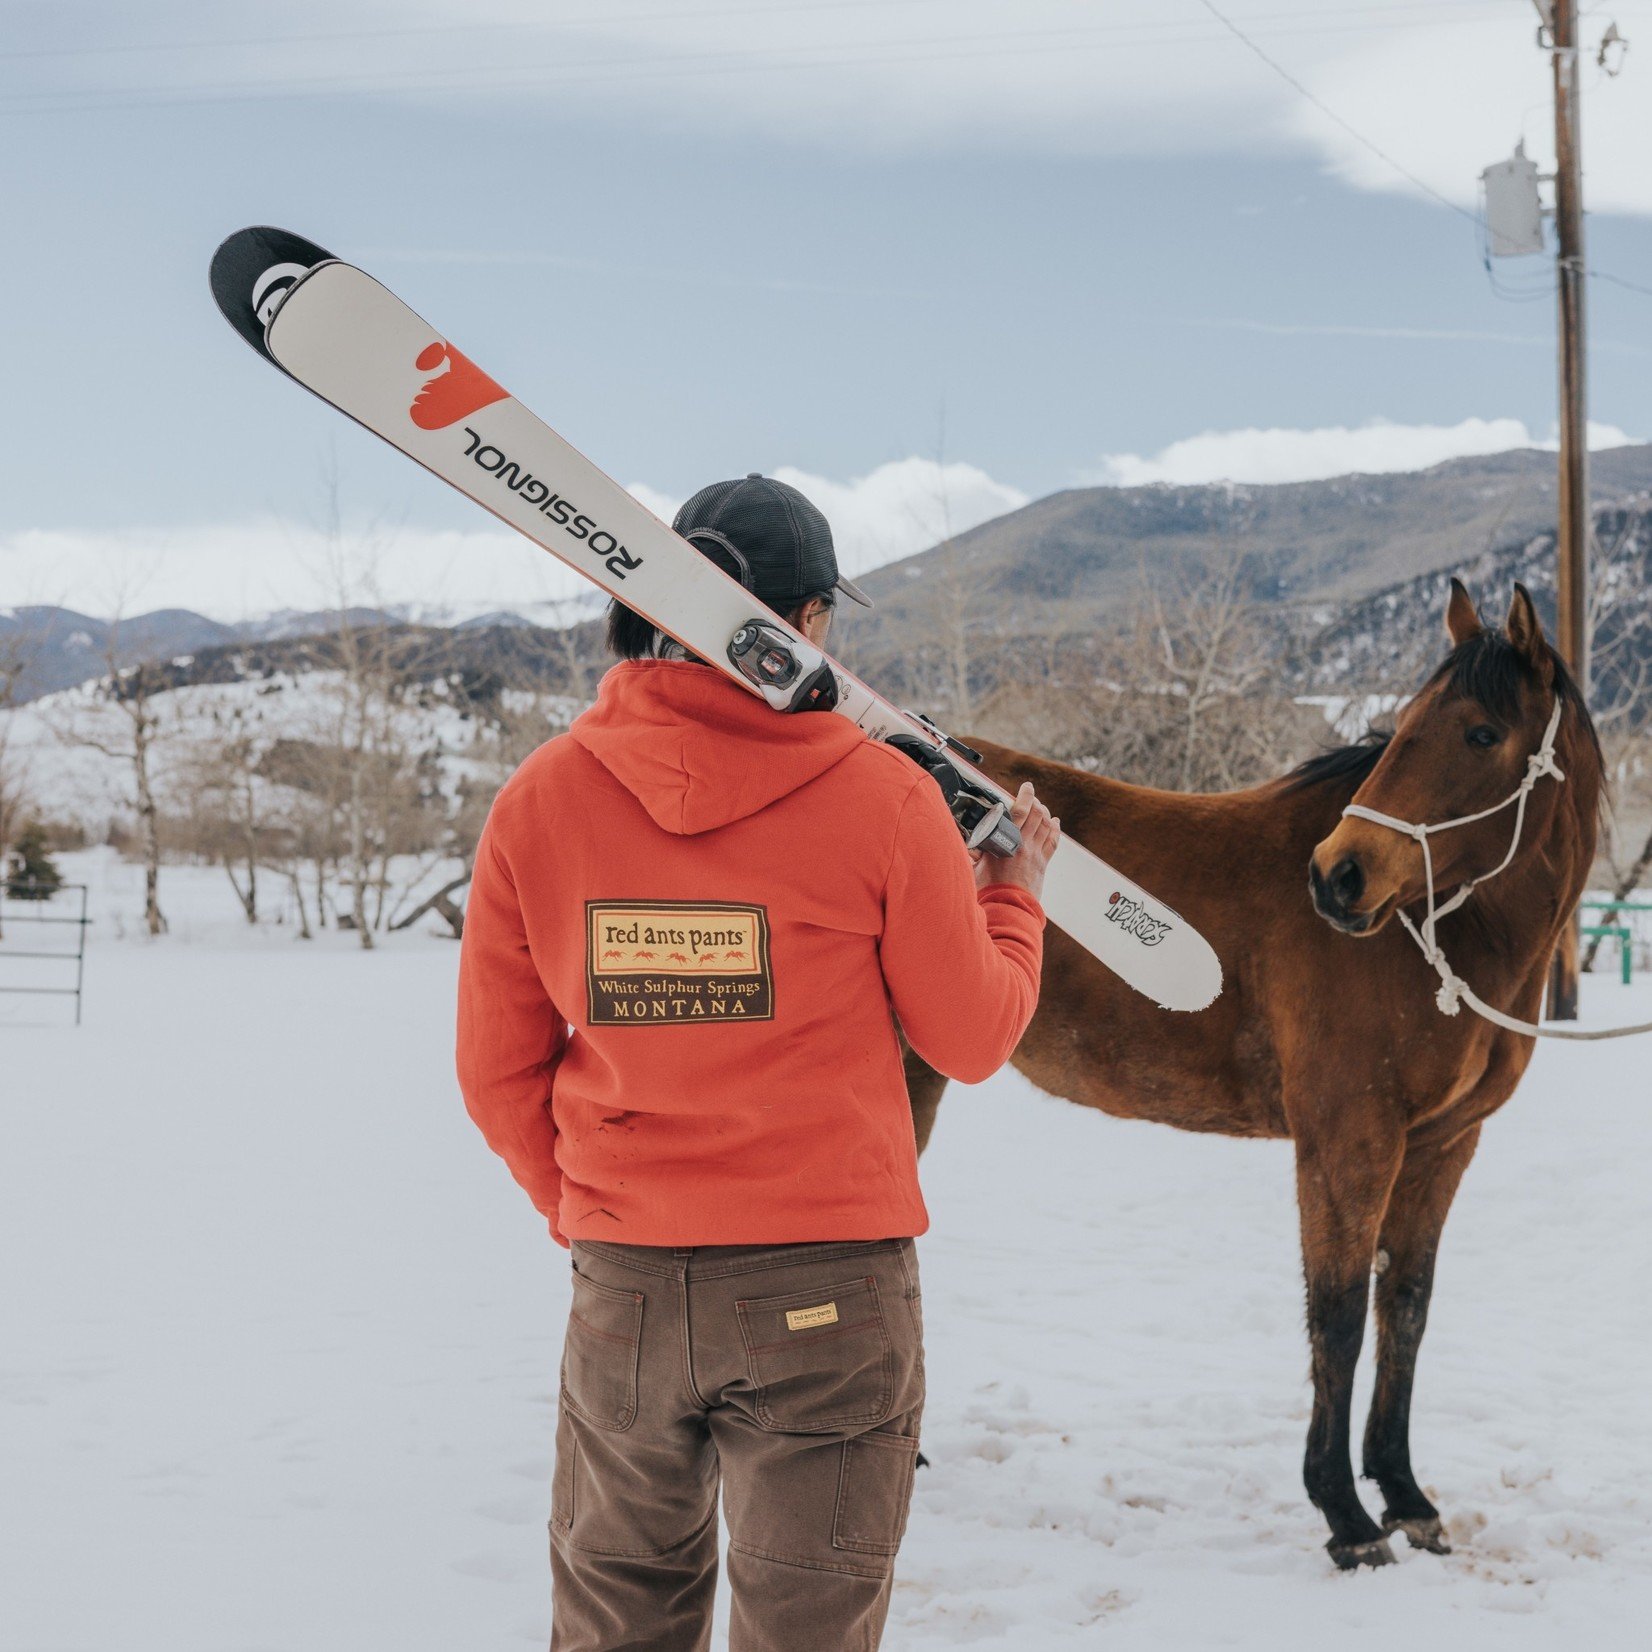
(453,394)
(677,963)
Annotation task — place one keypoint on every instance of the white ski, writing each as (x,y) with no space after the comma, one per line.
(355,344)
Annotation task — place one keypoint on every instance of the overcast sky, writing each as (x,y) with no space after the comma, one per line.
(928,258)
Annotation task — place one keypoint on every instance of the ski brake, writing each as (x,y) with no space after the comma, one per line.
(983,817)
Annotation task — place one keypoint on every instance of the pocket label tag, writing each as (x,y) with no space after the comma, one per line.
(807,1319)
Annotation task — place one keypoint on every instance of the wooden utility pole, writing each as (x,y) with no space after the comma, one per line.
(1572,540)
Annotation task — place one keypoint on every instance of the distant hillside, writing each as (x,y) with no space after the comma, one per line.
(1388,639)
(478,664)
(60,648)
(1073,560)
(1067,569)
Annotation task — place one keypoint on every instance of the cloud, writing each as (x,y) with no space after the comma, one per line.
(238,570)
(235,570)
(901,507)
(1441,89)
(1446,99)
(1335,450)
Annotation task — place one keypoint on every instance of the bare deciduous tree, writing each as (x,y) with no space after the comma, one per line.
(363,732)
(1212,651)
(567,614)
(19,646)
(118,717)
(235,821)
(1186,699)
(939,662)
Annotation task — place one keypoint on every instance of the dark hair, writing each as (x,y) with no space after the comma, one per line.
(631,637)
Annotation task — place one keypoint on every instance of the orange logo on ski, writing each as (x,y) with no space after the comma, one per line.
(452,395)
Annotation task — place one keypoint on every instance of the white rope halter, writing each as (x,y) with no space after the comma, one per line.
(1454,990)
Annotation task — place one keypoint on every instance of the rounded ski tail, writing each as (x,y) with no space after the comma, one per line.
(253,271)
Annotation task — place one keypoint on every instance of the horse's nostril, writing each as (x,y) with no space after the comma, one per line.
(1347,881)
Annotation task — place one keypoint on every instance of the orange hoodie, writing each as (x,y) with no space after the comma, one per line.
(692,926)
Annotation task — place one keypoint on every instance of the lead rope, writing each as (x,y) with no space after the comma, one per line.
(1454,990)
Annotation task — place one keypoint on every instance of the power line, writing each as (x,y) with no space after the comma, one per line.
(1618,281)
(1331,114)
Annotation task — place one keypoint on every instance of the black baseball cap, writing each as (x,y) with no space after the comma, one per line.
(769,537)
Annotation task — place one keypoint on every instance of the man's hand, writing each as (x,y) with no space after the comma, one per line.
(1039,836)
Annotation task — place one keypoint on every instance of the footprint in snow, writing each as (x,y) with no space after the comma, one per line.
(512,1511)
(489,1564)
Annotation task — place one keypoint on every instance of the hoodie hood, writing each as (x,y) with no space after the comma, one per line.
(697,750)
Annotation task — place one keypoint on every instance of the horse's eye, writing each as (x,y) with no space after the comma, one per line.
(1482,735)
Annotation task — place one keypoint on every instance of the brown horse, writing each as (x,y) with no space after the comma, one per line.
(1327,1030)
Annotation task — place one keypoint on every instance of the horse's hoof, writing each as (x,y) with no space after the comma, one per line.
(1351,1556)
(1425,1533)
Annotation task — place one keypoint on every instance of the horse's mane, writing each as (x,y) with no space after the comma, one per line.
(1487,668)
(1339,762)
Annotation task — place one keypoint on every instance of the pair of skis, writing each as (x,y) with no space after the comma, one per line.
(352,342)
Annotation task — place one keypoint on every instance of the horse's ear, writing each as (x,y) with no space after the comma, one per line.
(1462,622)
(1526,633)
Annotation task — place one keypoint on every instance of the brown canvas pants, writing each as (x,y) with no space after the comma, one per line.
(789,1375)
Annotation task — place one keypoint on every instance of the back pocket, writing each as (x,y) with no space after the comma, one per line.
(600,1354)
(820,1360)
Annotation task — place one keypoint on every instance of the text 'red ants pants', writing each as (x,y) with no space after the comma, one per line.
(789,1376)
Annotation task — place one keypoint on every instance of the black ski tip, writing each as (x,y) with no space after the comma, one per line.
(251,271)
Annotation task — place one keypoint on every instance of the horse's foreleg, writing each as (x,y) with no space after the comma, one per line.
(923,1090)
(1342,1188)
(1405,1278)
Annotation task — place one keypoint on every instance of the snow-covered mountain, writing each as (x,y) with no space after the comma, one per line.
(60,647)
(1070,562)
(1341,557)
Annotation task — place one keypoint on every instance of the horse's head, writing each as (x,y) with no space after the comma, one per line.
(1462,745)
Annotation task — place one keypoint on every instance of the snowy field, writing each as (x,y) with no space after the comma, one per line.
(279,1343)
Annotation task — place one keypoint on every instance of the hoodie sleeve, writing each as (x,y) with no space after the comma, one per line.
(511,1035)
(962,966)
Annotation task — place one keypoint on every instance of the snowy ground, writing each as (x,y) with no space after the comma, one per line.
(278,1344)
